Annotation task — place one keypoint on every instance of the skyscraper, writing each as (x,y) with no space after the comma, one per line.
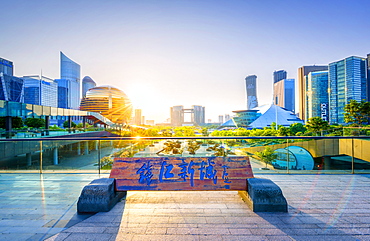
(317,99)
(137,118)
(198,116)
(302,87)
(87,83)
(11,88)
(368,77)
(279,75)
(251,88)
(70,71)
(347,81)
(177,115)
(221,119)
(6,67)
(40,90)
(284,94)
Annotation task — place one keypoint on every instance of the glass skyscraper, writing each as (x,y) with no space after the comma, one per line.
(284,94)
(40,90)
(6,67)
(87,83)
(11,88)
(70,72)
(347,81)
(279,75)
(251,85)
(317,98)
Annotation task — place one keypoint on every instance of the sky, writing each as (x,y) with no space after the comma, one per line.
(163,53)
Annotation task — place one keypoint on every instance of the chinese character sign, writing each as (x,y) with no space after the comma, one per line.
(181,173)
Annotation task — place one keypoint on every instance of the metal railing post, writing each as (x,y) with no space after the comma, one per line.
(353,156)
(99,156)
(40,157)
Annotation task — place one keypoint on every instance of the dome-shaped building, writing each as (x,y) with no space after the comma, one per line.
(109,102)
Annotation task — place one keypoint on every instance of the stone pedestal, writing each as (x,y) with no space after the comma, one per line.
(263,195)
(99,196)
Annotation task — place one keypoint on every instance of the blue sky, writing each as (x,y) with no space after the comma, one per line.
(165,53)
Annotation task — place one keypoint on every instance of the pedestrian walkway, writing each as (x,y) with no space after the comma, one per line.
(321,207)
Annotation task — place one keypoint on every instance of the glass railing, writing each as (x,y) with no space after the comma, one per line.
(40,132)
(266,154)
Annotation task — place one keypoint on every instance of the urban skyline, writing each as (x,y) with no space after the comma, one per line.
(182,53)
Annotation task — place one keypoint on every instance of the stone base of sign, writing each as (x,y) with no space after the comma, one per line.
(263,195)
(99,196)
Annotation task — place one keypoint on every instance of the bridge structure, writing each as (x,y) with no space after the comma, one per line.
(9,109)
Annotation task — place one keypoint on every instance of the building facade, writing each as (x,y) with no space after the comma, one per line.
(347,81)
(197,115)
(11,88)
(284,94)
(6,67)
(302,87)
(177,115)
(110,102)
(251,88)
(70,72)
(279,75)
(138,117)
(87,83)
(317,99)
(40,90)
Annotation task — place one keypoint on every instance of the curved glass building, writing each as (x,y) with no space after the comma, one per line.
(109,102)
(87,83)
(70,79)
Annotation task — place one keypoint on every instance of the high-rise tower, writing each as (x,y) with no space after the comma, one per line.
(284,94)
(70,71)
(302,87)
(87,83)
(279,75)
(347,81)
(251,87)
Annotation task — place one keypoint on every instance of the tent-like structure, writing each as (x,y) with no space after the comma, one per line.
(262,116)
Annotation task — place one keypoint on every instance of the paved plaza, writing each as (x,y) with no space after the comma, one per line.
(321,207)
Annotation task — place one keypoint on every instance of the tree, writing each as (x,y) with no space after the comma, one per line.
(316,124)
(267,155)
(34,122)
(17,122)
(297,128)
(65,124)
(357,112)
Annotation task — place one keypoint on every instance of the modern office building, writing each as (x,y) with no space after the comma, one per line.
(284,94)
(221,119)
(137,117)
(110,102)
(87,83)
(368,77)
(177,115)
(317,99)
(70,72)
(227,117)
(347,81)
(197,115)
(6,67)
(40,90)
(251,88)
(11,88)
(302,86)
(63,90)
(279,75)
